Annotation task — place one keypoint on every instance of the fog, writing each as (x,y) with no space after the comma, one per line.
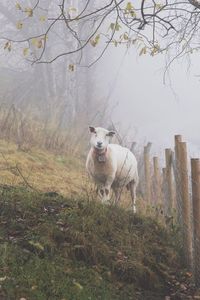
(153,109)
(122,87)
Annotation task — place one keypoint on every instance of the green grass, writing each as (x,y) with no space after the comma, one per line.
(58,248)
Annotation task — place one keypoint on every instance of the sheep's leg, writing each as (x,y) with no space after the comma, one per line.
(132,186)
(117,193)
(107,188)
(104,193)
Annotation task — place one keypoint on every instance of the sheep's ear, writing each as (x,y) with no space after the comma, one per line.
(92,129)
(111,133)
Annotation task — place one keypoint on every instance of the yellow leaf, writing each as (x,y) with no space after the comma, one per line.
(36,245)
(115,26)
(158,6)
(45,38)
(18,6)
(97,38)
(9,47)
(34,41)
(25,51)
(72,9)
(19,25)
(125,36)
(6,45)
(154,51)
(78,285)
(133,14)
(112,26)
(71,67)
(143,51)
(39,43)
(129,6)
(92,42)
(29,11)
(42,18)
(130,9)
(95,41)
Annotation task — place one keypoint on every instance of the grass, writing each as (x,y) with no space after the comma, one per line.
(43,170)
(58,242)
(55,247)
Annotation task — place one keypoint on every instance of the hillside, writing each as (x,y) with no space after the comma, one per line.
(58,242)
(42,170)
(61,248)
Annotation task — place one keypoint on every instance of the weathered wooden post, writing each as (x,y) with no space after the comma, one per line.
(178,204)
(164,190)
(185,201)
(169,181)
(147,173)
(157,181)
(195,169)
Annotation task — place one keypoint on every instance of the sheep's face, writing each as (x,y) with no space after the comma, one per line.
(100,138)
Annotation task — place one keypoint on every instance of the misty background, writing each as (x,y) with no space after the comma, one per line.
(121,88)
(152,110)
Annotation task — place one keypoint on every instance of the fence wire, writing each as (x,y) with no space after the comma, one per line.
(180,213)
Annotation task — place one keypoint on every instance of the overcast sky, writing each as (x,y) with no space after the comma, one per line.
(155,111)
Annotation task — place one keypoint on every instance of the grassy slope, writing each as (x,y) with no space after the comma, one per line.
(44,171)
(59,248)
(67,247)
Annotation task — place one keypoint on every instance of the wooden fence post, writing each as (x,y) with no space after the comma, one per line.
(169,181)
(185,201)
(178,206)
(164,190)
(195,169)
(157,181)
(147,173)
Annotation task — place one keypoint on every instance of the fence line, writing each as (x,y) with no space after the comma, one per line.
(171,189)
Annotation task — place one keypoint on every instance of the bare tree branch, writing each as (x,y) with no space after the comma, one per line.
(153,27)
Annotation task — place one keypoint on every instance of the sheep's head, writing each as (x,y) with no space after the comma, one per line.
(100,137)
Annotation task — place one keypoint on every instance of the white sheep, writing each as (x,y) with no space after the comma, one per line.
(111,166)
